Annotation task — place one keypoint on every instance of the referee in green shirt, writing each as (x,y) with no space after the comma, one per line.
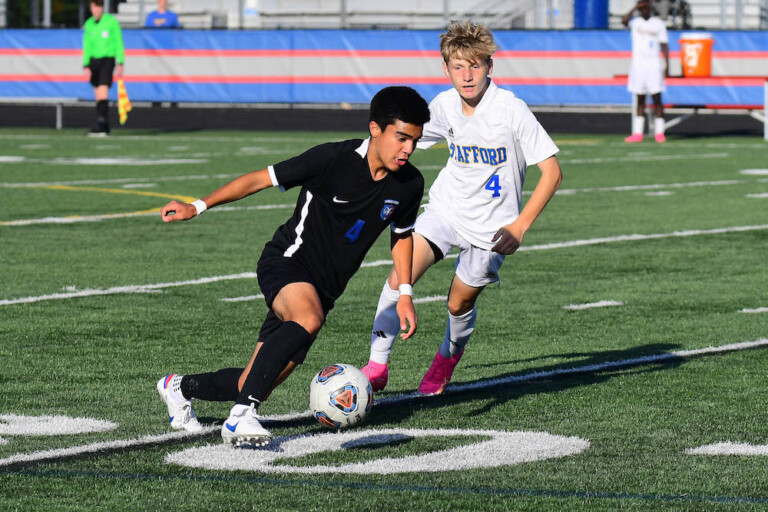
(102,52)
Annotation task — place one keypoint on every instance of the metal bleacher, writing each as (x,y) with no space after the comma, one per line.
(430,14)
(333,14)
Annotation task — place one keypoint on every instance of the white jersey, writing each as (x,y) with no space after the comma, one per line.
(647,37)
(480,188)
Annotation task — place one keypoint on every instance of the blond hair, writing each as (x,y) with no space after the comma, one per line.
(467,41)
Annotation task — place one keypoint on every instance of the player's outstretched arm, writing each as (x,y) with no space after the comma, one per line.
(238,188)
(402,257)
(509,237)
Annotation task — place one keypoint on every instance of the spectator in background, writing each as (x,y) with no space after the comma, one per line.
(647,74)
(162,17)
(103,55)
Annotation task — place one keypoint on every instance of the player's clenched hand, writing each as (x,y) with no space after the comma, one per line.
(176,210)
(407,314)
(506,242)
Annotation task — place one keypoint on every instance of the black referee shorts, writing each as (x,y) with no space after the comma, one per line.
(102,71)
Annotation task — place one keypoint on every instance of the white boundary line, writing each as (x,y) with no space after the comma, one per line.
(140,288)
(377,263)
(755,310)
(46,455)
(73,451)
(96,218)
(588,305)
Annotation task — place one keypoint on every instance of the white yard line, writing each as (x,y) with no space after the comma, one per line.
(589,305)
(727,448)
(756,310)
(644,158)
(141,288)
(379,263)
(97,218)
(50,455)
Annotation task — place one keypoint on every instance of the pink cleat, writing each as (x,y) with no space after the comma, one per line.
(377,374)
(439,374)
(635,137)
(660,137)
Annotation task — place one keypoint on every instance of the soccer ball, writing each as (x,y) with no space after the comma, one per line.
(340,396)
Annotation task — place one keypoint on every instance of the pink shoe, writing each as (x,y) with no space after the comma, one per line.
(660,137)
(635,137)
(377,374)
(439,374)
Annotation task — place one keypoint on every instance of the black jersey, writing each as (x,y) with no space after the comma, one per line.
(341,210)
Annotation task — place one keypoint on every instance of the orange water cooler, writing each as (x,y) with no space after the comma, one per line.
(696,53)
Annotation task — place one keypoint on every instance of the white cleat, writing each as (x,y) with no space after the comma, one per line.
(242,428)
(180,412)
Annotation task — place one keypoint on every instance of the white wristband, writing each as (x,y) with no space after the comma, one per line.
(406,289)
(199,205)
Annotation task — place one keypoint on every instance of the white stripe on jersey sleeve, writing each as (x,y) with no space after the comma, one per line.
(401,230)
(299,228)
(271,170)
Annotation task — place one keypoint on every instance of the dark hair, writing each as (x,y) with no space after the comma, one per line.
(398,103)
(98,3)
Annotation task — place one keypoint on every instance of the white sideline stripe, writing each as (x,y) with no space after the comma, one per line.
(117,180)
(378,263)
(636,237)
(141,288)
(242,299)
(727,448)
(764,195)
(754,172)
(100,446)
(645,158)
(598,304)
(592,368)
(148,440)
(260,296)
(655,186)
(756,310)
(97,218)
(433,298)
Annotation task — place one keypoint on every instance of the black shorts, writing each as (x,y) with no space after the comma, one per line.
(102,71)
(275,273)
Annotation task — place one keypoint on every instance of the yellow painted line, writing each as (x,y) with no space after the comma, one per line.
(186,199)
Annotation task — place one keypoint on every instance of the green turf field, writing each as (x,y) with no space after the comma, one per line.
(591,344)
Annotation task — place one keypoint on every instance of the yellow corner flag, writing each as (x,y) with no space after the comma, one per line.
(123,103)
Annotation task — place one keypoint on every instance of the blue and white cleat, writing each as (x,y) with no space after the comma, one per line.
(180,412)
(242,428)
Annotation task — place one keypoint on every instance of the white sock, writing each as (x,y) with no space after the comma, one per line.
(638,125)
(658,125)
(386,325)
(457,333)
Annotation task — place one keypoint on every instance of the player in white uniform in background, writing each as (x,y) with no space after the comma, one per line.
(474,204)
(648,71)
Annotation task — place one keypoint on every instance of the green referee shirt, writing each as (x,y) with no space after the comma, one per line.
(102,39)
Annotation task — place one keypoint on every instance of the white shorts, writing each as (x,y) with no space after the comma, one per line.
(475,266)
(646,79)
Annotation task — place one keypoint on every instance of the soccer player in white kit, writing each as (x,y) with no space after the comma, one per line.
(475,202)
(648,71)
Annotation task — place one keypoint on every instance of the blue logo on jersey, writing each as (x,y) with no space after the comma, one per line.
(475,154)
(389,209)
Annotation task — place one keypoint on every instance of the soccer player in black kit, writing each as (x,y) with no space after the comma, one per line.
(350,192)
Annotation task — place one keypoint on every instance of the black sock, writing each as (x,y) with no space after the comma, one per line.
(102,115)
(220,386)
(275,354)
